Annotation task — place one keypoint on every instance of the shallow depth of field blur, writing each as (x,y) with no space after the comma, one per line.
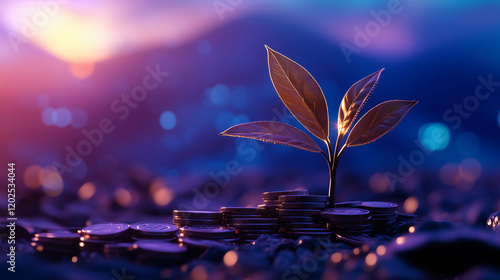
(68,69)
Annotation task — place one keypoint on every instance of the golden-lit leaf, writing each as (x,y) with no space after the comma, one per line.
(300,93)
(353,101)
(378,121)
(274,132)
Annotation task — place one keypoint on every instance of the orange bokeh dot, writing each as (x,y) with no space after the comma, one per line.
(32,176)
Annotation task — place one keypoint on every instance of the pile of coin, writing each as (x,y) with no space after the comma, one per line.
(95,237)
(383,213)
(250,222)
(196,218)
(270,199)
(299,214)
(349,221)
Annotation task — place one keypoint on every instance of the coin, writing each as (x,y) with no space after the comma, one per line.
(347,204)
(256,226)
(252,220)
(153,229)
(298,219)
(346,213)
(298,212)
(60,237)
(243,210)
(105,230)
(378,206)
(208,232)
(189,214)
(302,205)
(303,198)
(203,243)
(275,195)
(303,225)
(195,222)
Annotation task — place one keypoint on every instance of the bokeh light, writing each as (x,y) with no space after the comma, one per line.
(434,136)
(199,273)
(411,205)
(230,258)
(32,176)
(61,117)
(168,120)
(371,259)
(336,257)
(219,95)
(78,118)
(381,250)
(123,197)
(86,191)
(47,116)
(52,182)
(498,118)
(470,169)
(400,240)
(160,192)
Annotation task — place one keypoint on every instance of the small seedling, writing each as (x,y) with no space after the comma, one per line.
(302,95)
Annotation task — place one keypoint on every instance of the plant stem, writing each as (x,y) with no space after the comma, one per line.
(333,171)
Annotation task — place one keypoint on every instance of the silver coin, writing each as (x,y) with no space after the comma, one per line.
(154,228)
(105,229)
(347,212)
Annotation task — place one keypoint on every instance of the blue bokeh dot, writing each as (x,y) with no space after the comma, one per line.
(168,120)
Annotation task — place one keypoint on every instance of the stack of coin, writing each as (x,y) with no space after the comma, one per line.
(250,222)
(299,214)
(165,232)
(383,213)
(208,232)
(270,199)
(59,242)
(94,237)
(197,218)
(348,221)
